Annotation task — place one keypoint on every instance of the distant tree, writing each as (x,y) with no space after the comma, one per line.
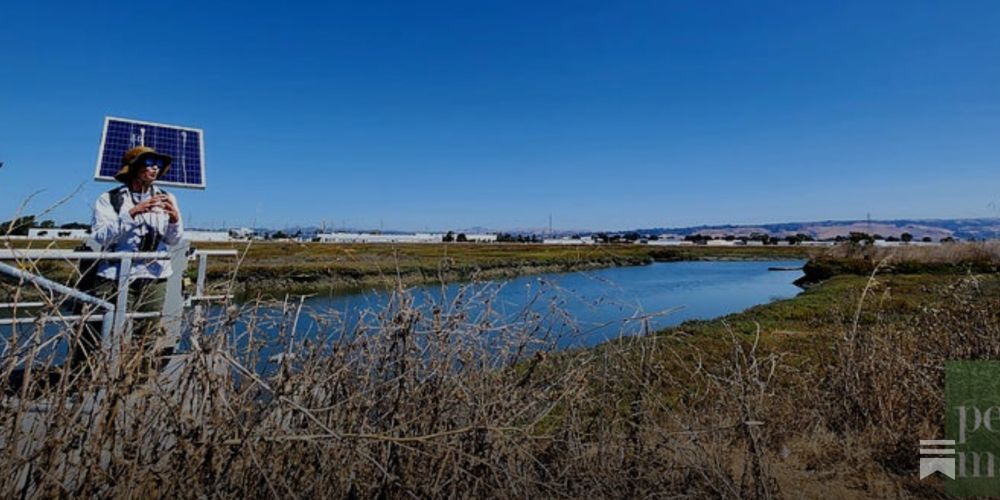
(771,240)
(632,236)
(279,235)
(47,224)
(804,237)
(698,238)
(449,237)
(878,237)
(906,237)
(892,238)
(927,239)
(75,225)
(729,237)
(792,240)
(18,226)
(653,237)
(947,239)
(858,237)
(461,238)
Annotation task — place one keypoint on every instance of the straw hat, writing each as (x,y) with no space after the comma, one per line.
(134,154)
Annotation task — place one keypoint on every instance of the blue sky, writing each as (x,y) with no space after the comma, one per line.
(437,115)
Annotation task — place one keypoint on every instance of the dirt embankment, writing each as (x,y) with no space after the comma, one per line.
(939,260)
(254,281)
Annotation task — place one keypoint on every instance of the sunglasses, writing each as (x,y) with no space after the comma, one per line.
(150,162)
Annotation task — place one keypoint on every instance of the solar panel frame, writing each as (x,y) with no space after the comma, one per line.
(161,127)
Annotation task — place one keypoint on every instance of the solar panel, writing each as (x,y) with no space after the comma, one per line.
(184,144)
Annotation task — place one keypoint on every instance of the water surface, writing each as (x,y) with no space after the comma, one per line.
(579,309)
(606,303)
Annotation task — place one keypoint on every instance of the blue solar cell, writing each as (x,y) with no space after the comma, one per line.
(184,144)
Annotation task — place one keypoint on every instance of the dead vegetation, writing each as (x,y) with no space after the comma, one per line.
(861,260)
(447,397)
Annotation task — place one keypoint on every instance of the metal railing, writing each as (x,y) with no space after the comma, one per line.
(115,316)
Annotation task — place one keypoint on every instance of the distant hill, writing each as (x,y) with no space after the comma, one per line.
(965,229)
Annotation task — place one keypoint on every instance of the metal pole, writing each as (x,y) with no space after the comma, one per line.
(119,335)
(202,265)
(33,254)
(199,290)
(106,324)
(53,286)
(22,305)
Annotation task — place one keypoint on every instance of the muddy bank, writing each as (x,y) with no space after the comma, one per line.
(251,284)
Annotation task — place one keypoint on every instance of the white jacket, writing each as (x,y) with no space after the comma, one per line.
(119,232)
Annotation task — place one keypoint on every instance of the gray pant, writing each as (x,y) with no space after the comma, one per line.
(145,295)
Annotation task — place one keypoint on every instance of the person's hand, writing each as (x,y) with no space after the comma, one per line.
(168,206)
(158,203)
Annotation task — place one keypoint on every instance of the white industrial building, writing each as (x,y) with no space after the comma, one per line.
(481,238)
(56,233)
(723,243)
(668,243)
(568,241)
(199,235)
(343,237)
(379,238)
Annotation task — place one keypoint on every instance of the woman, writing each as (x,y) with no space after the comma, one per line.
(135,217)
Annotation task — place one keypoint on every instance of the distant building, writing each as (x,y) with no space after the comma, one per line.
(567,241)
(379,238)
(58,234)
(344,237)
(481,238)
(196,235)
(242,233)
(721,243)
(668,243)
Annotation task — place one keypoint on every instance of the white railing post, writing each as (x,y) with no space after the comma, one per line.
(119,335)
(107,323)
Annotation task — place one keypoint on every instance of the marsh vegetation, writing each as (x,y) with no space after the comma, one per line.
(823,394)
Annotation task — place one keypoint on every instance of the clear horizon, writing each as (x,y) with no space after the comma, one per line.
(446,114)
